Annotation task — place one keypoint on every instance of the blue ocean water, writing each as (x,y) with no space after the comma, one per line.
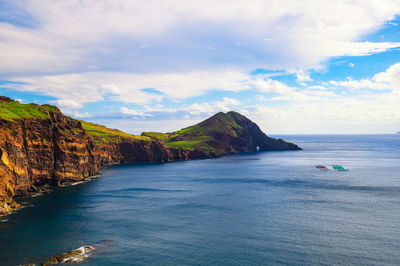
(248,209)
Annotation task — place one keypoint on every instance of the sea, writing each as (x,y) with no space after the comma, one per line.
(259,208)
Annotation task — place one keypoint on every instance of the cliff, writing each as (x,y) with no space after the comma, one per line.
(40,147)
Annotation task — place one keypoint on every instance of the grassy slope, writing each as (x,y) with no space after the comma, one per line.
(224,123)
(11,110)
(14,110)
(177,140)
(106,135)
(196,136)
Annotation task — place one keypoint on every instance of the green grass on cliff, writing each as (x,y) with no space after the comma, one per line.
(104,134)
(11,110)
(188,143)
(221,122)
(157,135)
(197,136)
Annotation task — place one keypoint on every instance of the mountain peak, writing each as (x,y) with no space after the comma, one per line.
(230,114)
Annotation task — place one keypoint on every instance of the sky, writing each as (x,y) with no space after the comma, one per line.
(291,66)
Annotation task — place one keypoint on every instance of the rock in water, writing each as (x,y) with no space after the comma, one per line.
(75,255)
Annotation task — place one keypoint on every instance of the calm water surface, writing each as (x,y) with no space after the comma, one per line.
(249,209)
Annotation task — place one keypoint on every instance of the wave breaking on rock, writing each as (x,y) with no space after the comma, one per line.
(75,255)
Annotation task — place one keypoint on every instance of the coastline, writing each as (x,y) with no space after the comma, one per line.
(44,148)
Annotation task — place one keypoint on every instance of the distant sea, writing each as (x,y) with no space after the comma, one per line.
(247,209)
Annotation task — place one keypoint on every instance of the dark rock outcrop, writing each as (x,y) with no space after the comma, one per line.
(72,256)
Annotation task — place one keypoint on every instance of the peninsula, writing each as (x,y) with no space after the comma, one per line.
(41,147)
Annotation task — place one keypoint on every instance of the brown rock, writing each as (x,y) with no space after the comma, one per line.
(75,255)
(36,153)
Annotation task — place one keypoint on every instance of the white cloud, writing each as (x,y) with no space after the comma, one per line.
(65,103)
(357,48)
(66,36)
(387,80)
(270,85)
(317,87)
(350,64)
(132,112)
(208,109)
(390,76)
(230,101)
(287,93)
(301,76)
(306,95)
(195,109)
(368,114)
(78,115)
(320,110)
(75,89)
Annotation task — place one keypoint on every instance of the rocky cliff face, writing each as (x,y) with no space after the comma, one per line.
(37,152)
(55,150)
(40,147)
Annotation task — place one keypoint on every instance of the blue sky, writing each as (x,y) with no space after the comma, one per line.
(293,67)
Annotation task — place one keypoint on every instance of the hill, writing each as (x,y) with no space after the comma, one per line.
(223,133)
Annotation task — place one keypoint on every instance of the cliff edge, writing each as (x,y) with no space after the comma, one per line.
(41,147)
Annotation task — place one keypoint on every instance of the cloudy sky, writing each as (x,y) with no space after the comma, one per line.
(292,66)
